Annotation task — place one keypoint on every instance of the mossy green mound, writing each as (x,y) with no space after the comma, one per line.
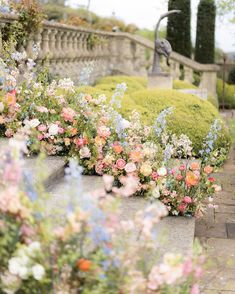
(192,116)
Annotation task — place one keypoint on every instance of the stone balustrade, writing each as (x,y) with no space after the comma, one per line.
(69,50)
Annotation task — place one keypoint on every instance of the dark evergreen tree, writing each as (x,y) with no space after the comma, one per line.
(205,40)
(179,27)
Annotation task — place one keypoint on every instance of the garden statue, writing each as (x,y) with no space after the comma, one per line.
(162,46)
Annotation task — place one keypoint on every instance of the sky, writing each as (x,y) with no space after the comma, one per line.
(145,13)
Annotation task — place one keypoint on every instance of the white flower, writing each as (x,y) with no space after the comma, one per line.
(14,265)
(33,123)
(130,167)
(38,272)
(23,272)
(162,172)
(1,107)
(85,152)
(125,123)
(53,129)
(34,248)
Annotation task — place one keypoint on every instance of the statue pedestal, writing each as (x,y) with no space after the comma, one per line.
(161,81)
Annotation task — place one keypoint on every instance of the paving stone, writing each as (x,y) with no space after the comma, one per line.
(225,198)
(224,281)
(231,229)
(225,208)
(210,229)
(225,217)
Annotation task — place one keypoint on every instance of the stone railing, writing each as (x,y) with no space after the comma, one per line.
(68,50)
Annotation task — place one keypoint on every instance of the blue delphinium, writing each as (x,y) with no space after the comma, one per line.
(209,142)
(118,94)
(161,123)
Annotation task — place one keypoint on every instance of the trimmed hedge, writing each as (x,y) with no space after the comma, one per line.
(133,83)
(178,84)
(192,116)
(229,94)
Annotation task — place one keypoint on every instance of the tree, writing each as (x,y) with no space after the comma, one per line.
(179,27)
(205,40)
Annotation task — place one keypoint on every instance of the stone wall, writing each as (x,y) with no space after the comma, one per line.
(68,50)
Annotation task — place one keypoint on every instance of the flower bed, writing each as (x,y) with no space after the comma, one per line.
(93,251)
(57,119)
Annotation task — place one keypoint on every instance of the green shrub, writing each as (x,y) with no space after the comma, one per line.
(229,94)
(178,84)
(192,116)
(133,83)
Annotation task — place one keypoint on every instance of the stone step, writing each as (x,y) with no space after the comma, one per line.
(176,234)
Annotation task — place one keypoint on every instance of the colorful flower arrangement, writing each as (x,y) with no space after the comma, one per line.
(92,251)
(59,121)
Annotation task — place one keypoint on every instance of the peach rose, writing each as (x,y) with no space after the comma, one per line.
(103,131)
(208,169)
(192,179)
(195,166)
(135,156)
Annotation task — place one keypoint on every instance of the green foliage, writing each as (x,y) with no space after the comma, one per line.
(29,21)
(231,124)
(229,94)
(178,84)
(205,41)
(231,77)
(197,113)
(179,27)
(133,83)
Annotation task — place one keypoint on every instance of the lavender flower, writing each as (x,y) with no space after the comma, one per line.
(86,72)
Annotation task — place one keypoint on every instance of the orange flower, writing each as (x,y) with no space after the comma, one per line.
(191,179)
(208,169)
(66,141)
(195,166)
(10,99)
(117,148)
(84,265)
(99,141)
(135,156)
(73,131)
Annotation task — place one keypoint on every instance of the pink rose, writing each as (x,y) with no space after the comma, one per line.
(42,128)
(130,167)
(42,109)
(182,167)
(61,130)
(40,137)
(9,133)
(155,176)
(182,207)
(195,289)
(120,163)
(187,200)
(103,132)
(68,114)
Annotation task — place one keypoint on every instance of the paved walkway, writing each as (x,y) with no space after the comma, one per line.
(216,231)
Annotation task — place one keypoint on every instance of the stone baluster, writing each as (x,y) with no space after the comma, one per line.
(64,44)
(45,43)
(188,74)
(175,70)
(38,41)
(58,44)
(52,43)
(208,81)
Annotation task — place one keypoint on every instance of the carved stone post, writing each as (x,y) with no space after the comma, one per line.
(208,81)
(188,74)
